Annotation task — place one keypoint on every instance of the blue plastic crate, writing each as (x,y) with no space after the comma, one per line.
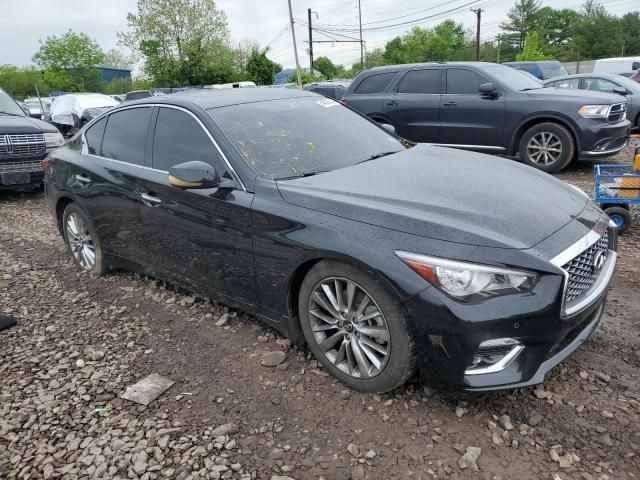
(607,184)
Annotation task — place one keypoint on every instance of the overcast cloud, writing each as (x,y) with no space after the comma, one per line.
(24,22)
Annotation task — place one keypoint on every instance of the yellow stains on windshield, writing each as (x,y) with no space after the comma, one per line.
(311,146)
(259,123)
(245,152)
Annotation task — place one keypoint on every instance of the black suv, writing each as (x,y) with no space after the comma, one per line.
(492,108)
(24,143)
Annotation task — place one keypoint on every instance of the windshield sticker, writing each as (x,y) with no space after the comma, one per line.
(327,102)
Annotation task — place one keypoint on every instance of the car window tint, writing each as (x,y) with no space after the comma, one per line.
(125,135)
(421,81)
(464,82)
(567,83)
(599,84)
(375,83)
(179,138)
(93,136)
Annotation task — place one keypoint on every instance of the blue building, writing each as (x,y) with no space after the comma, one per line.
(109,74)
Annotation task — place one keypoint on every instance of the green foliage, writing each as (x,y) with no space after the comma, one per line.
(259,68)
(445,41)
(326,67)
(118,85)
(68,52)
(597,34)
(20,82)
(531,50)
(522,18)
(116,59)
(183,42)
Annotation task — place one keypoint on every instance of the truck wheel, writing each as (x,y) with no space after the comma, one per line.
(548,147)
(621,217)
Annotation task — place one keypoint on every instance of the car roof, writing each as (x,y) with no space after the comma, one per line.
(213,98)
(407,66)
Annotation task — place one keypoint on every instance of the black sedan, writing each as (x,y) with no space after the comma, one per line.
(386,257)
(608,83)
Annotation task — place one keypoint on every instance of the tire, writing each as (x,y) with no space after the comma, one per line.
(537,139)
(383,372)
(621,217)
(83,239)
(604,206)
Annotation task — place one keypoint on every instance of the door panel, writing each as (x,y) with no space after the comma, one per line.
(202,236)
(414,108)
(107,188)
(466,117)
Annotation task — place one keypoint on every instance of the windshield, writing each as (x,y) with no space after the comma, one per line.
(8,105)
(552,69)
(297,136)
(511,78)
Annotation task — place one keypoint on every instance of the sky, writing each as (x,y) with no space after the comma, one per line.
(24,22)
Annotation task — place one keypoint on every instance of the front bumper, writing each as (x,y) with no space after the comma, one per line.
(601,140)
(450,335)
(21,172)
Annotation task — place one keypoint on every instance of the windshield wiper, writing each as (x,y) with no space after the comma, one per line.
(306,173)
(531,88)
(378,155)
(9,113)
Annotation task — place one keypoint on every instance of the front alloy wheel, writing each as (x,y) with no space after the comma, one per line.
(544,148)
(549,147)
(349,327)
(356,327)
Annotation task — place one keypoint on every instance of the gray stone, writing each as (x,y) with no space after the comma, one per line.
(272,359)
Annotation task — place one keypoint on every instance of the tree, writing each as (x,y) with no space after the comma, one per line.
(630,27)
(118,85)
(259,68)
(326,67)
(71,51)
(531,50)
(522,18)
(183,42)
(598,33)
(20,82)
(116,59)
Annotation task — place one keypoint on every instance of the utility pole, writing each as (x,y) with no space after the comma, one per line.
(310,42)
(361,43)
(478,12)
(295,46)
(499,45)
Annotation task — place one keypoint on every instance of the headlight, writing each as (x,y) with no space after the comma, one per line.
(594,111)
(466,281)
(53,139)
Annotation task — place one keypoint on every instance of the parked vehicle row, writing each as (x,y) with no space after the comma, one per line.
(385,256)
(492,108)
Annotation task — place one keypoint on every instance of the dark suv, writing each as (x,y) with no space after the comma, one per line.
(24,143)
(494,109)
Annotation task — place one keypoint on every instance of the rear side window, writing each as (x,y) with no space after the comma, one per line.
(421,81)
(599,85)
(572,83)
(375,83)
(93,136)
(464,82)
(125,135)
(178,138)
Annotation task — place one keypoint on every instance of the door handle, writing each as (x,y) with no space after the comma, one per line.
(392,102)
(450,104)
(150,200)
(82,178)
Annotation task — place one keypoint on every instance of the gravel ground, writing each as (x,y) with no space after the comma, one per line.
(82,339)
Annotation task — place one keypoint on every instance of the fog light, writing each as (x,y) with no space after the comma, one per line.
(494,356)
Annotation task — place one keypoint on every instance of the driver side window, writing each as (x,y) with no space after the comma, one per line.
(179,138)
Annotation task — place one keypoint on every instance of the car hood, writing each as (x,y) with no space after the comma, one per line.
(584,97)
(445,194)
(11,125)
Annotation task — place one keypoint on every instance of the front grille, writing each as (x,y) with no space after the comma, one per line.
(580,269)
(22,145)
(617,112)
(29,166)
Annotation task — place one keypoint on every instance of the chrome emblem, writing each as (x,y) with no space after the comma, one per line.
(8,144)
(599,259)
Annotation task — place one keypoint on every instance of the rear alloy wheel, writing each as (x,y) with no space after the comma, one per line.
(82,241)
(548,147)
(355,328)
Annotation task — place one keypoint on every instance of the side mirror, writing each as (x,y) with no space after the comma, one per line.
(193,175)
(488,90)
(388,127)
(635,66)
(620,91)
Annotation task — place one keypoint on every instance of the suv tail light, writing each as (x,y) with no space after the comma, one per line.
(46,164)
